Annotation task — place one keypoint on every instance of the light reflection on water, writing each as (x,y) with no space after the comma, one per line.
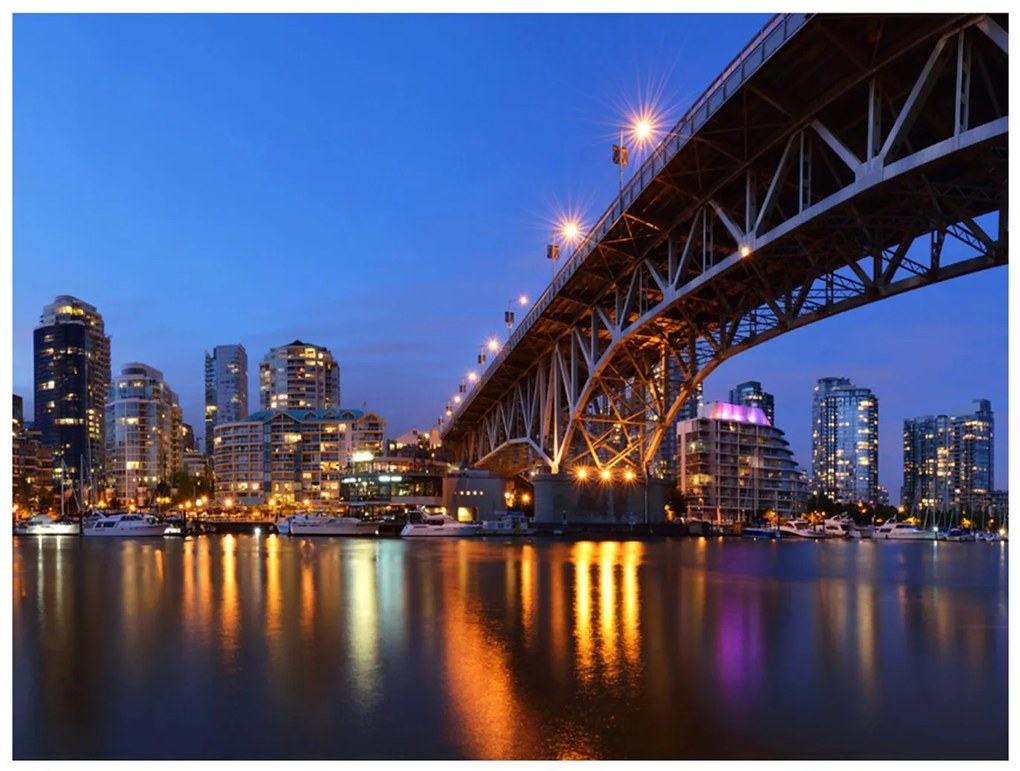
(266,647)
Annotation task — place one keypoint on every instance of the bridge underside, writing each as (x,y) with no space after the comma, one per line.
(837,174)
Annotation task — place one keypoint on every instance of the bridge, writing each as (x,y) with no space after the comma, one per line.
(827,167)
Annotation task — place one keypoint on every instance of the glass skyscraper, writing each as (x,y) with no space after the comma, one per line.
(72,380)
(844,442)
(948,460)
(751,394)
(226,388)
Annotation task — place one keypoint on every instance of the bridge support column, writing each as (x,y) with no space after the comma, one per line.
(564,499)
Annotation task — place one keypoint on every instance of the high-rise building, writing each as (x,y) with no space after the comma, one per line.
(292,456)
(844,442)
(926,446)
(299,376)
(948,460)
(734,465)
(689,409)
(72,380)
(143,428)
(226,388)
(751,394)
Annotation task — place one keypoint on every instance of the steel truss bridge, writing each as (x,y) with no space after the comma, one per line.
(827,167)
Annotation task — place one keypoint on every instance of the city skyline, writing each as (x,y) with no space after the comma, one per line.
(179,180)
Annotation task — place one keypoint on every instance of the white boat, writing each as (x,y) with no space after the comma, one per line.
(440,526)
(800,528)
(332,526)
(126,525)
(283,525)
(839,527)
(42,524)
(903,531)
(509,523)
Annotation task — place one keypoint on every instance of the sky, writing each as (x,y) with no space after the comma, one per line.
(383,185)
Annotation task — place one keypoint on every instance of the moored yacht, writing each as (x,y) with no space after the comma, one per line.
(800,528)
(439,526)
(893,530)
(509,523)
(283,525)
(43,524)
(838,527)
(333,526)
(124,525)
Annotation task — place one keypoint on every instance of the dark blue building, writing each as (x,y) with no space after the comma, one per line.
(72,378)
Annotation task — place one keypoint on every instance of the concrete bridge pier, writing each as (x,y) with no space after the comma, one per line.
(565,499)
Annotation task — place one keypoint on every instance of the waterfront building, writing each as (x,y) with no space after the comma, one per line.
(293,456)
(751,394)
(143,428)
(31,462)
(17,445)
(299,376)
(734,466)
(226,388)
(72,380)
(394,480)
(844,442)
(948,460)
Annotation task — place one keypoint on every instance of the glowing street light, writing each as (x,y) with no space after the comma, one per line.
(492,344)
(508,317)
(472,376)
(641,132)
(567,231)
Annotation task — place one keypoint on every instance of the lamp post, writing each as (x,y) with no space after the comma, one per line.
(640,130)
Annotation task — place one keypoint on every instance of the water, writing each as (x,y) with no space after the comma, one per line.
(265,647)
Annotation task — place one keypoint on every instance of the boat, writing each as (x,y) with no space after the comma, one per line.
(439,526)
(332,526)
(760,532)
(894,530)
(126,525)
(800,528)
(960,534)
(283,525)
(839,527)
(698,526)
(43,524)
(509,523)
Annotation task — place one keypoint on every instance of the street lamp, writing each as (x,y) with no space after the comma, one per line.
(568,231)
(641,131)
(508,317)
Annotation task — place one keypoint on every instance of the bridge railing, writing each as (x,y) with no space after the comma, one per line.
(771,37)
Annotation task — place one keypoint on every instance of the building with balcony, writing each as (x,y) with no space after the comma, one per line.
(72,380)
(143,430)
(733,466)
(299,376)
(293,457)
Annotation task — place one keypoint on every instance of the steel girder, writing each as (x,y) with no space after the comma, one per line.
(782,213)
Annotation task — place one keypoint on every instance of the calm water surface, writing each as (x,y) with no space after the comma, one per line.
(267,647)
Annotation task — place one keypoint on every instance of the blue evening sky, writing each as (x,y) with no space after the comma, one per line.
(382,186)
